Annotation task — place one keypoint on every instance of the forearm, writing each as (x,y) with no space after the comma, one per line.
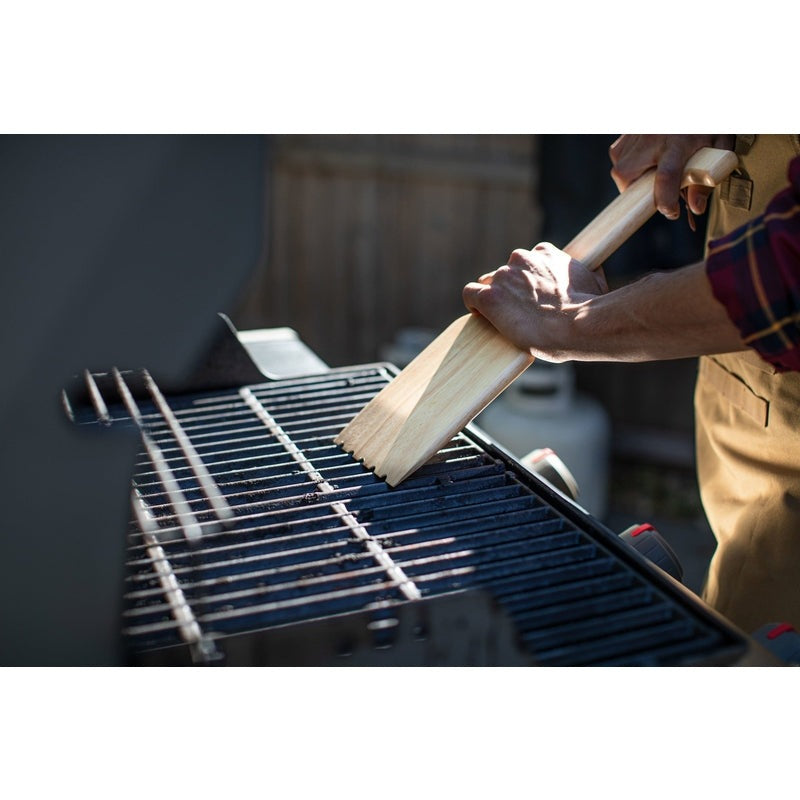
(552,306)
(662,316)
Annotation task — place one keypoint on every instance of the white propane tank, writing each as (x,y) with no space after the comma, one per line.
(542,410)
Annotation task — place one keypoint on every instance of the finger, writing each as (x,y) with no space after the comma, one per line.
(631,156)
(602,283)
(619,181)
(668,182)
(697,198)
(616,145)
(486,278)
(615,153)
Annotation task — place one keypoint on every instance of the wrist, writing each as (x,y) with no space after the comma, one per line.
(562,335)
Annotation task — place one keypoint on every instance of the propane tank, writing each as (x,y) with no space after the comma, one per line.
(542,410)
(407,344)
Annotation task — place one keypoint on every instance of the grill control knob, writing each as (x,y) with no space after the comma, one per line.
(647,541)
(546,464)
(781,639)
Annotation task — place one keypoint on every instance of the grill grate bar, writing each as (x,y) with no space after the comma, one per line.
(265,462)
(342,542)
(276,527)
(188,627)
(215,498)
(420,555)
(333,540)
(100,407)
(187,524)
(548,539)
(454,576)
(397,575)
(293,587)
(540,562)
(278,606)
(217,428)
(287,495)
(292,389)
(214,405)
(369,508)
(196,422)
(350,594)
(238,442)
(489,487)
(585,608)
(468,519)
(343,459)
(528,601)
(67,406)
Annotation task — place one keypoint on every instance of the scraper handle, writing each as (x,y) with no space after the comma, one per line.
(631,209)
(461,371)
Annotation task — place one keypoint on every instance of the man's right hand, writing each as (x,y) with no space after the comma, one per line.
(633,154)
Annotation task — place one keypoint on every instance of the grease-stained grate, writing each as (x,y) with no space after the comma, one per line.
(246,516)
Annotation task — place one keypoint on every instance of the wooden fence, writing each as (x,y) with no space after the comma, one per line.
(372,234)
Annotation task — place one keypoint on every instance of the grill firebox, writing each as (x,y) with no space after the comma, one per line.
(255,540)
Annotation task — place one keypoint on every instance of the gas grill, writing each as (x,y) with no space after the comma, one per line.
(254,540)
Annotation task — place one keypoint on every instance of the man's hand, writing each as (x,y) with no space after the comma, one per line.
(633,154)
(533,300)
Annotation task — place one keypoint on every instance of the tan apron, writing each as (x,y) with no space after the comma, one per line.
(748,434)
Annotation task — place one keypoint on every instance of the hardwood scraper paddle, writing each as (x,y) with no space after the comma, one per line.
(470,363)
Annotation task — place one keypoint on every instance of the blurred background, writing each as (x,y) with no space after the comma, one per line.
(371,238)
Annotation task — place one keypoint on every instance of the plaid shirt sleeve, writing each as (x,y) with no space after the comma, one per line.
(755,273)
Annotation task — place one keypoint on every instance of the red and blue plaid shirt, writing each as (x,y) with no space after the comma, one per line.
(755,273)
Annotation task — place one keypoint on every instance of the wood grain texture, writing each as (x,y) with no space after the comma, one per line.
(435,396)
(470,363)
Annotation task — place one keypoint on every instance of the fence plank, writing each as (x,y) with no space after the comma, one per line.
(370,234)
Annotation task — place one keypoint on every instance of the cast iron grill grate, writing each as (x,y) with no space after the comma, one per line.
(246,517)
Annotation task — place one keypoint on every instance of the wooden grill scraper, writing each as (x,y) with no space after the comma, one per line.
(470,363)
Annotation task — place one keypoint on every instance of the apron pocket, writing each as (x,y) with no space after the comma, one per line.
(735,390)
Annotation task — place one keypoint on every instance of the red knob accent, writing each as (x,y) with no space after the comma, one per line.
(779,629)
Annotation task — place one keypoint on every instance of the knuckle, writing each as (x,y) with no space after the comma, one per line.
(669,170)
(470,296)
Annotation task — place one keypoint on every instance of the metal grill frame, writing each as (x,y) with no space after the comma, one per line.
(417,631)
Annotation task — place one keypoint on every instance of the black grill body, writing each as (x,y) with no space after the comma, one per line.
(310,559)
